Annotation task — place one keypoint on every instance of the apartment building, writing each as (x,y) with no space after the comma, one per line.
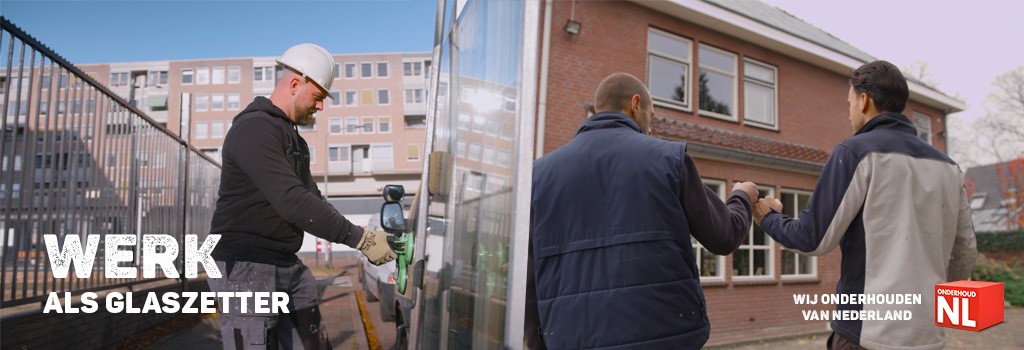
(370,132)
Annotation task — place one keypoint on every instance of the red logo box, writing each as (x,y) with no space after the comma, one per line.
(970,305)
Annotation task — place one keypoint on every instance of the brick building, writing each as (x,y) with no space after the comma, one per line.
(758,94)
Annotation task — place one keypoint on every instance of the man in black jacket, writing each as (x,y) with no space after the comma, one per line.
(267,199)
(613,211)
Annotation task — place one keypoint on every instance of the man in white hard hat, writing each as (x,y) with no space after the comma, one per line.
(267,200)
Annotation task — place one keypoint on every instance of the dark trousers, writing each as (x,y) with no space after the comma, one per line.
(301,328)
(839,342)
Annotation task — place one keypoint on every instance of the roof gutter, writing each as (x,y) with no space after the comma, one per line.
(699,150)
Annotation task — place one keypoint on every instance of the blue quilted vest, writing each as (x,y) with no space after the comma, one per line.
(613,261)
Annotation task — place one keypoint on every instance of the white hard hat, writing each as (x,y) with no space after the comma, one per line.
(313,62)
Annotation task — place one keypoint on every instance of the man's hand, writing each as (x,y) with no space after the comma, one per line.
(764,206)
(376,246)
(747,187)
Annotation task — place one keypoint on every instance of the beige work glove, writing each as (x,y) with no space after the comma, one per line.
(376,247)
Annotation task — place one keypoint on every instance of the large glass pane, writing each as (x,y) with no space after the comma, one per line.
(759,103)
(667,45)
(717,59)
(716,92)
(668,79)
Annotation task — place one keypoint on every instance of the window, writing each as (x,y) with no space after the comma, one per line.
(716,82)
(711,266)
(335,126)
(460,149)
(335,98)
(489,155)
(384,97)
(366,97)
(503,159)
(217,77)
(350,98)
(384,125)
(265,73)
(382,152)
(234,75)
(186,77)
(351,125)
(464,121)
(412,68)
(415,121)
(668,68)
(759,99)
(412,152)
(474,151)
(202,75)
(978,200)
(368,125)
(217,129)
(337,70)
(233,101)
(311,126)
(201,102)
(217,102)
(201,131)
(793,262)
(337,153)
(478,123)
(382,69)
(413,95)
(924,127)
(116,79)
(312,155)
(157,78)
(754,259)
(366,70)
(350,70)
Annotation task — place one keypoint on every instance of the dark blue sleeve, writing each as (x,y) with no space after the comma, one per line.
(837,198)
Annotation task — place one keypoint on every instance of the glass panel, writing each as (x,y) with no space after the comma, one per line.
(668,79)
(759,103)
(760,262)
(741,262)
(709,263)
(716,92)
(806,264)
(714,58)
(788,262)
(668,45)
(758,72)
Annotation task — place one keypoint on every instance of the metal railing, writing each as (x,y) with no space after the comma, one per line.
(77,159)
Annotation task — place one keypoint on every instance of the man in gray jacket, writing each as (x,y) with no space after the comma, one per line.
(897,208)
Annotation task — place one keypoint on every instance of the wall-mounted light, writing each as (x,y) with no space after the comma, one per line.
(572,27)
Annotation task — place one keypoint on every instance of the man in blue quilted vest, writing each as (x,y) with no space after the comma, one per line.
(613,212)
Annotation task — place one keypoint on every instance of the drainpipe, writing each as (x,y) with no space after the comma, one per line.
(545,54)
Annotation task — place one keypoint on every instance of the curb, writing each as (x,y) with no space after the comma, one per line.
(371,331)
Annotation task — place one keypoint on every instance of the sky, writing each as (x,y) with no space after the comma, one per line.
(127,31)
(966,44)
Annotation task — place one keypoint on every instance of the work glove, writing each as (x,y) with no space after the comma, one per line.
(377,246)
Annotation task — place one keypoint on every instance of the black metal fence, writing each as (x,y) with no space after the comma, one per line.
(78,160)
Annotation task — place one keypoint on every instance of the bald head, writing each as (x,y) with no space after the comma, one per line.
(615,91)
(622,92)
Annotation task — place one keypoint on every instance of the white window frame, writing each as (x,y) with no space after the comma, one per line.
(191,74)
(381,121)
(215,78)
(419,153)
(387,92)
(340,124)
(200,73)
(697,247)
(361,65)
(335,97)
(800,256)
(687,105)
(205,134)
(266,73)
(355,129)
(735,83)
(387,69)
(312,154)
(355,98)
(371,121)
(354,66)
(917,125)
(368,92)
(217,135)
(213,101)
(238,74)
(375,149)
(237,101)
(774,125)
(205,103)
(769,248)
(344,151)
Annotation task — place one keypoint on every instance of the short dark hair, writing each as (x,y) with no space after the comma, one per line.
(884,83)
(615,91)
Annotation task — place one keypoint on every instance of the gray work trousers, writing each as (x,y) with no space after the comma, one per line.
(301,328)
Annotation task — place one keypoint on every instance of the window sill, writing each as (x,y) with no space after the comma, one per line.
(788,279)
(751,281)
(762,126)
(671,105)
(718,116)
(713,282)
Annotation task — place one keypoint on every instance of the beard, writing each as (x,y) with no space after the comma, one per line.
(304,117)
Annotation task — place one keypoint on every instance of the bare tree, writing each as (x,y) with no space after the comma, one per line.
(920,72)
(1000,132)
